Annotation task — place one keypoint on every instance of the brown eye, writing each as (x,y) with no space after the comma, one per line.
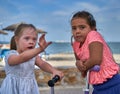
(34,39)
(73,29)
(81,27)
(26,38)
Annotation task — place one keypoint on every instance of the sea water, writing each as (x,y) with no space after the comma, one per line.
(65,47)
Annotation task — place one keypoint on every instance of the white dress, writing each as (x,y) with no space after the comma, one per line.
(20,79)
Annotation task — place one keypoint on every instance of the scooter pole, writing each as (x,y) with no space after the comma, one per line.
(87,89)
(52,90)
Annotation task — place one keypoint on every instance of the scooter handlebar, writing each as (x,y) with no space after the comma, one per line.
(95,68)
(53,80)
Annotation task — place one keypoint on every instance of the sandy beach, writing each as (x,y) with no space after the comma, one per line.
(72,83)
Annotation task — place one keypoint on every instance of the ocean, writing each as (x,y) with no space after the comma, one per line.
(65,47)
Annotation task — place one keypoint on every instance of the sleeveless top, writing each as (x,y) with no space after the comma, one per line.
(108,67)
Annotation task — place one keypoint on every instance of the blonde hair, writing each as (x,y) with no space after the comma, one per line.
(18,32)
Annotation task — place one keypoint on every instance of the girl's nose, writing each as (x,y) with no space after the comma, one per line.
(31,42)
(78,30)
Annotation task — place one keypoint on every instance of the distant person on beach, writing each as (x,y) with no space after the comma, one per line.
(90,49)
(21,59)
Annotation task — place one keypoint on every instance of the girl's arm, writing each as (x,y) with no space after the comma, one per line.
(80,65)
(24,56)
(96,54)
(47,67)
(28,54)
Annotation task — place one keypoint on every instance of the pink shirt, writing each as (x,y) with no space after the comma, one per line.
(108,66)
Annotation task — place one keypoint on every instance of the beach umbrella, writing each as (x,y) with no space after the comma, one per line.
(12,27)
(3,32)
(41,31)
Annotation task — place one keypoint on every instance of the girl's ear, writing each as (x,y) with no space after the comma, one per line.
(16,40)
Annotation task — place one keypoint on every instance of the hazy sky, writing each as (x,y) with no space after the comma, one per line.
(53,16)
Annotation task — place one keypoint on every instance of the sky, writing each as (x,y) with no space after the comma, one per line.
(53,16)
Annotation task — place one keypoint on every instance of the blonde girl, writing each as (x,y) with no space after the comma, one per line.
(20,61)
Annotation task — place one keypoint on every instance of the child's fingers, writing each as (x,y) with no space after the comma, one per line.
(80,66)
(49,43)
(61,74)
(43,35)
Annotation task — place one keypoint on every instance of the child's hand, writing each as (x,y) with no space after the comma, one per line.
(42,42)
(82,68)
(59,73)
(80,65)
